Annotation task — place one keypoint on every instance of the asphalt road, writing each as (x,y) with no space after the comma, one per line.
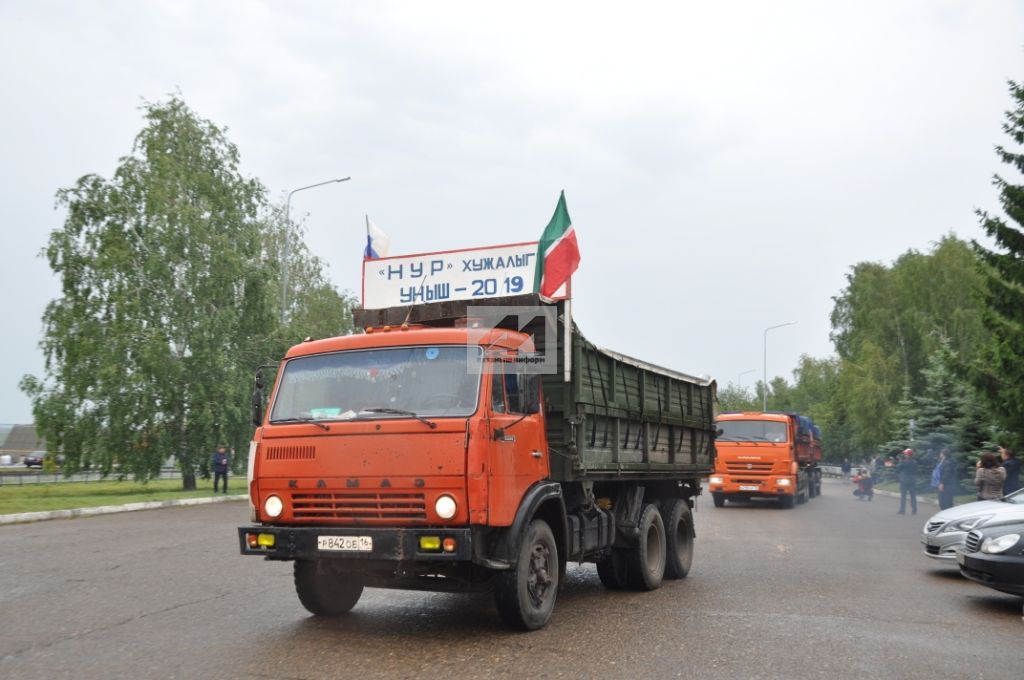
(835,588)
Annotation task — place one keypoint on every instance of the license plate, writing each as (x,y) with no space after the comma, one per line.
(345,543)
(749,488)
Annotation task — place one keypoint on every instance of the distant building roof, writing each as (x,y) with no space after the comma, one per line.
(4,431)
(23,439)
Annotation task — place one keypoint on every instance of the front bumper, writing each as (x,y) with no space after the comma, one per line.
(751,488)
(944,546)
(389,544)
(1004,573)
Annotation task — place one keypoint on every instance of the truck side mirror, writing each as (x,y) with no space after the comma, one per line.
(257,401)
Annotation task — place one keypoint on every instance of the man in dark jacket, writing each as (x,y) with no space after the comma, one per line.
(1012,467)
(949,479)
(220,467)
(907,472)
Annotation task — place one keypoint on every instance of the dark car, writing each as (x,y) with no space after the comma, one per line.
(994,557)
(34,460)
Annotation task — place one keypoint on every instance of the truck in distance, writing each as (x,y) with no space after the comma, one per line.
(426,454)
(766,455)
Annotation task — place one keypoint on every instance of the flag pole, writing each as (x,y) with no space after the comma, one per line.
(567,315)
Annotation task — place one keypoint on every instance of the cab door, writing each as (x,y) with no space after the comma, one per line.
(519,455)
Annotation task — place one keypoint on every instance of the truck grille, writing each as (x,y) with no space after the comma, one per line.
(933,527)
(752,468)
(360,508)
(973,542)
(291,453)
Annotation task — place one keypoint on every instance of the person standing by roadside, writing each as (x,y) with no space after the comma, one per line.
(989,477)
(846,467)
(948,479)
(906,471)
(220,462)
(1012,467)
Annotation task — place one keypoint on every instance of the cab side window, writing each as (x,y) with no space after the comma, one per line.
(513,391)
(497,390)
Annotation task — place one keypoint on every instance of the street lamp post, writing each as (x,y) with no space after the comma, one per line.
(286,251)
(739,380)
(764,387)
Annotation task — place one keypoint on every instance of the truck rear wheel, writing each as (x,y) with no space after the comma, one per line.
(718,499)
(323,590)
(678,539)
(525,596)
(646,562)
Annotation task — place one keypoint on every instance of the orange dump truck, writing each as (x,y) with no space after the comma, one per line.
(766,455)
(430,453)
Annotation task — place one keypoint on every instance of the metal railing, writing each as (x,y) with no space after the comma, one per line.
(13,477)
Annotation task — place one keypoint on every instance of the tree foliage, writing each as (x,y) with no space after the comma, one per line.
(169,275)
(999,368)
(736,398)
(889,321)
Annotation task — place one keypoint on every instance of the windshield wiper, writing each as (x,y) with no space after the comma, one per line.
(302,420)
(401,412)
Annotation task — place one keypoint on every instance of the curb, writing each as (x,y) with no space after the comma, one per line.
(895,494)
(22,517)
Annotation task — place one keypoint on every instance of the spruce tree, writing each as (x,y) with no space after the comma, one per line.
(999,370)
(940,406)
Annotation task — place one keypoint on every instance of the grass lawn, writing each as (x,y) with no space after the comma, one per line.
(957,500)
(69,495)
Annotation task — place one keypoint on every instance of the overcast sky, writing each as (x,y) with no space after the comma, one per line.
(724,163)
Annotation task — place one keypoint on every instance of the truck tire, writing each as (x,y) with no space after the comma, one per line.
(787,502)
(612,571)
(646,562)
(525,595)
(323,590)
(678,539)
(718,499)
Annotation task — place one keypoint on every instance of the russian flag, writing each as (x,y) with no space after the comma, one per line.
(377,242)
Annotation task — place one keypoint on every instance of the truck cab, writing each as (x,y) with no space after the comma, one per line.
(396,428)
(766,455)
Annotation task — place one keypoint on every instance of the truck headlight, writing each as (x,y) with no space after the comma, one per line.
(716,480)
(994,546)
(783,482)
(445,506)
(273,506)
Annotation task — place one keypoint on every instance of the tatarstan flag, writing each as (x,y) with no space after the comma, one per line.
(558,254)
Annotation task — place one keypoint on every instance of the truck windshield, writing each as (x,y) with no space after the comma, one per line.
(751,431)
(425,381)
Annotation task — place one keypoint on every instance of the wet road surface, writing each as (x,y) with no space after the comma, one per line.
(834,588)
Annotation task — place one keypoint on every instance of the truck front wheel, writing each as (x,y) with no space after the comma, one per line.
(525,595)
(718,499)
(678,539)
(646,562)
(323,590)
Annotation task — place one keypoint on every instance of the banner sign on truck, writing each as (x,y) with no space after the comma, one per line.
(468,274)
